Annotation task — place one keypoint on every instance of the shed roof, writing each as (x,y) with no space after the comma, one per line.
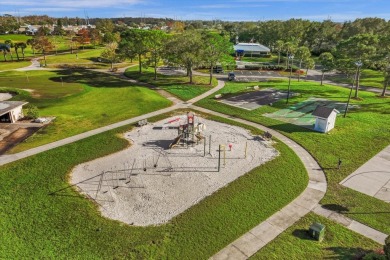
(323,111)
(6,106)
(251,47)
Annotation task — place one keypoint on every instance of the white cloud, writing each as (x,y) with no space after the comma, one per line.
(73,4)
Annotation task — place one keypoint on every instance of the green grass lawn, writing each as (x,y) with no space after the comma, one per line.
(339,242)
(87,58)
(14,37)
(35,224)
(81,100)
(10,65)
(356,138)
(368,78)
(177,85)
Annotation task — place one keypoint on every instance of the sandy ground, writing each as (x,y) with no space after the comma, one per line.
(148,184)
(5,96)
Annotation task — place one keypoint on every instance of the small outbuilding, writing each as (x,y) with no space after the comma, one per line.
(11,111)
(250,48)
(325,118)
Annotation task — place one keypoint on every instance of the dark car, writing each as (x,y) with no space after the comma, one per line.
(231,76)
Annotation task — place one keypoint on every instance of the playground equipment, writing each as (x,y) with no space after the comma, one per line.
(188,133)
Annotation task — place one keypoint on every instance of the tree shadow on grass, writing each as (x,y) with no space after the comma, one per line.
(91,78)
(291,128)
(336,208)
(347,252)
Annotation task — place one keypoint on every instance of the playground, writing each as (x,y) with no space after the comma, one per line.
(301,113)
(170,166)
(255,99)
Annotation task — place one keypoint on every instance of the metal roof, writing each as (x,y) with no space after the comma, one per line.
(253,47)
(323,111)
(6,106)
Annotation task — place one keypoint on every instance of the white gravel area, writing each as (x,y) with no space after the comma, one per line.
(149,184)
(5,96)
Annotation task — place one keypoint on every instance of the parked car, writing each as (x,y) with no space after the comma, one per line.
(231,76)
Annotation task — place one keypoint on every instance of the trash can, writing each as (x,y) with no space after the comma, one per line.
(317,231)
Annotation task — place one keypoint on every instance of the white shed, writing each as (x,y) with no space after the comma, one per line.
(325,118)
(11,111)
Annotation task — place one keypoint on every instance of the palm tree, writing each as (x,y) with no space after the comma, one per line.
(5,48)
(23,46)
(10,44)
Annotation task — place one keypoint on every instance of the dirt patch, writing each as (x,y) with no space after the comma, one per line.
(15,137)
(149,184)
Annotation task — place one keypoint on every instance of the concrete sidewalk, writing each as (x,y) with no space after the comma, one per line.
(353,225)
(373,177)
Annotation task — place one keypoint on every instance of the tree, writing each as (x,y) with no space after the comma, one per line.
(32,111)
(326,60)
(110,53)
(386,247)
(185,50)
(303,53)
(279,47)
(5,48)
(105,26)
(83,37)
(43,44)
(382,60)
(96,38)
(156,41)
(361,47)
(8,24)
(10,43)
(290,48)
(16,47)
(135,41)
(215,47)
(309,64)
(33,43)
(23,46)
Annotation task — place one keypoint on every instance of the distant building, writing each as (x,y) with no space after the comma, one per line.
(242,49)
(11,111)
(325,118)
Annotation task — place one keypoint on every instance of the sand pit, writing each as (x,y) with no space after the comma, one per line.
(148,184)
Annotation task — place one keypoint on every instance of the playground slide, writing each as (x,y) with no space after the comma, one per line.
(175,142)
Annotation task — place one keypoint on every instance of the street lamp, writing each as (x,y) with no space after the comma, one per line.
(358,64)
(290,57)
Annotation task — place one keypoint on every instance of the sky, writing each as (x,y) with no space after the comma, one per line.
(227,10)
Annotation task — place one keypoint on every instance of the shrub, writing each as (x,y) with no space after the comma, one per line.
(31,111)
(386,248)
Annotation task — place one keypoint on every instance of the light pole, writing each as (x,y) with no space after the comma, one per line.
(290,57)
(358,65)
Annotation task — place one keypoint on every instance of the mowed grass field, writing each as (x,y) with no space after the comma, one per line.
(175,84)
(369,78)
(81,100)
(356,138)
(339,242)
(41,217)
(60,54)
